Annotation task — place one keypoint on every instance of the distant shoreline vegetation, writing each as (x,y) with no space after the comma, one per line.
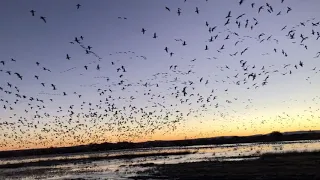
(272,137)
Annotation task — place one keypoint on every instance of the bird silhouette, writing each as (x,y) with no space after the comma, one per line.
(44,19)
(53,86)
(229,15)
(197,10)
(19,76)
(288,9)
(32,12)
(179,12)
(155,35)
(143,30)
(260,8)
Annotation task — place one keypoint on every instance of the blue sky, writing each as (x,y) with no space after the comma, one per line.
(28,40)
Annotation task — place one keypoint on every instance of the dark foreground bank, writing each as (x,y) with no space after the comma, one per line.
(294,165)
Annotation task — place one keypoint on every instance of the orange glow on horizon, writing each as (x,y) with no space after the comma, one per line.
(195,128)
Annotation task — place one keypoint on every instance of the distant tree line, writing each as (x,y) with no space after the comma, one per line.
(272,137)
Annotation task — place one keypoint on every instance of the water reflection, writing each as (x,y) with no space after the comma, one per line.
(123,168)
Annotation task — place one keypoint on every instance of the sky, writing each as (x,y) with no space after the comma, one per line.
(135,95)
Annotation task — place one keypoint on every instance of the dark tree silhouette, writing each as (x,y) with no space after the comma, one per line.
(276,134)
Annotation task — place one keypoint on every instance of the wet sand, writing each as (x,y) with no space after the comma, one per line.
(304,165)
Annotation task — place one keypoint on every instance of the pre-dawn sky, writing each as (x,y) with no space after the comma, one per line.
(252,72)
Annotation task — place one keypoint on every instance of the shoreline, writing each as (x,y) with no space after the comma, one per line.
(88,159)
(267,138)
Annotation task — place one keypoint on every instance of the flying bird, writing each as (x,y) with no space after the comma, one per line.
(19,76)
(179,12)
(229,15)
(197,10)
(44,19)
(53,86)
(301,63)
(143,30)
(261,7)
(32,12)
(155,35)
(288,9)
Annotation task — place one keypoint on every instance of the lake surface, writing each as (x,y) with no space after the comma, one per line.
(124,168)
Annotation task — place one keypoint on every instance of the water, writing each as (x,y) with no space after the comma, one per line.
(124,168)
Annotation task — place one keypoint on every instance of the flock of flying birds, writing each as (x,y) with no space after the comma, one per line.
(172,96)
